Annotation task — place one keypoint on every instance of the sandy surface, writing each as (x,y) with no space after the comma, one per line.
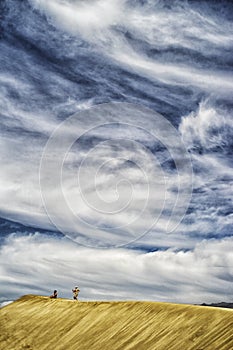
(35,322)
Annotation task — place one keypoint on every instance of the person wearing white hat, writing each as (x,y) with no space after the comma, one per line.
(75,293)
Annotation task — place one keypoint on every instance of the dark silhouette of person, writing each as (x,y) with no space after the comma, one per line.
(54,295)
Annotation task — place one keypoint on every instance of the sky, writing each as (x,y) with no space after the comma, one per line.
(116,149)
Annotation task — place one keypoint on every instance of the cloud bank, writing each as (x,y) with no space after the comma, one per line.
(36,264)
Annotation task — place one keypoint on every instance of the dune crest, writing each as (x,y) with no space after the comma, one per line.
(36,322)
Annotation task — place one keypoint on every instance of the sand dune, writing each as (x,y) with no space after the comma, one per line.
(35,322)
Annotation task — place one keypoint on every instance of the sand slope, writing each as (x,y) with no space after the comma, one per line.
(39,323)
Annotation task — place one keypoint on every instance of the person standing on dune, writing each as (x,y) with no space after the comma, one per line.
(75,293)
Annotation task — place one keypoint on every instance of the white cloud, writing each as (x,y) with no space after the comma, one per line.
(210,214)
(207,133)
(36,264)
(122,183)
(103,24)
(209,127)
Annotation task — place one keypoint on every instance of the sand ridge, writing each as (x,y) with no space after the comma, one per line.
(40,323)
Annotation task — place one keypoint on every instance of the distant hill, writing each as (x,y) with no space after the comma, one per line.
(40,323)
(222,304)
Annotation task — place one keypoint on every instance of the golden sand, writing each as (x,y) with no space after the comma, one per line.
(40,323)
